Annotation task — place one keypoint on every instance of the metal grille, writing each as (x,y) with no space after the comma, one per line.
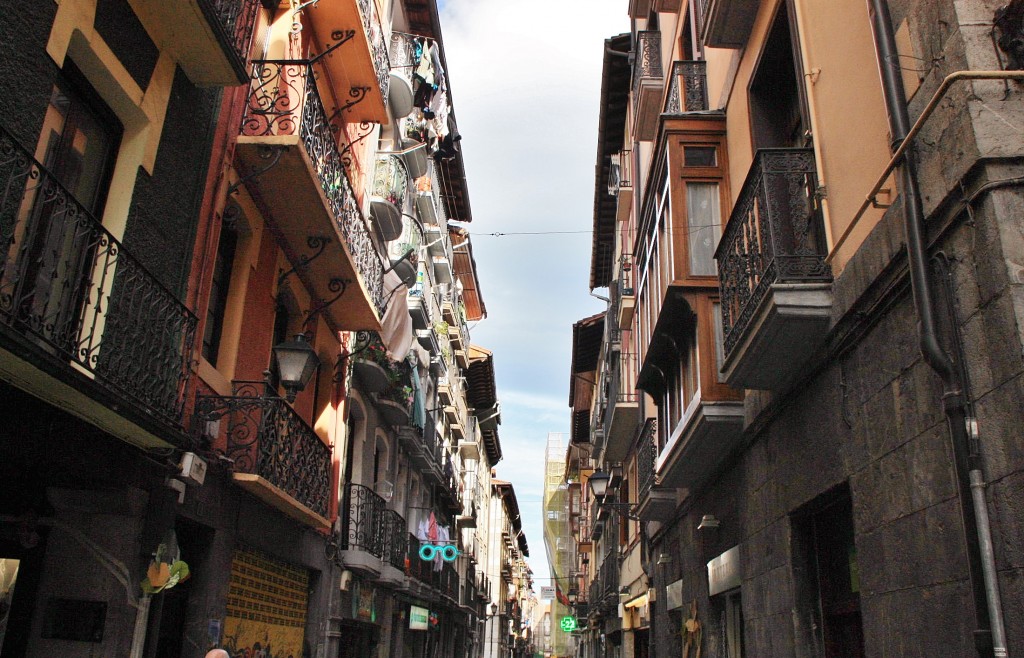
(267,438)
(283,100)
(378,45)
(363,528)
(396,539)
(647,57)
(646,457)
(775,235)
(71,288)
(688,88)
(234,21)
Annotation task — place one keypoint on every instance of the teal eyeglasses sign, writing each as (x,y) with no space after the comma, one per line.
(429,551)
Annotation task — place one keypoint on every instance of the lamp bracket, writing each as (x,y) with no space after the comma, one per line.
(626,510)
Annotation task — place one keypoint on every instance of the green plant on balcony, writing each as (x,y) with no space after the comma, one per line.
(441,328)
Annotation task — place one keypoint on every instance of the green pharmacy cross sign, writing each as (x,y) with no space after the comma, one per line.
(569,624)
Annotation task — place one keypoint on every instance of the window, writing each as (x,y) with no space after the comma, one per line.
(704,226)
(219,287)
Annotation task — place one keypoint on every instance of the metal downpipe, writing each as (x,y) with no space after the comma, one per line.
(966,462)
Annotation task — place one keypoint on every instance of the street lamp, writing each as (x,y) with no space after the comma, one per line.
(296,362)
(598,483)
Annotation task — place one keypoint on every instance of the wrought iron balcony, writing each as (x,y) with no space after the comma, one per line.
(622,410)
(76,300)
(390,190)
(396,539)
(363,529)
(625,297)
(775,283)
(648,83)
(285,132)
(208,38)
(687,88)
(277,456)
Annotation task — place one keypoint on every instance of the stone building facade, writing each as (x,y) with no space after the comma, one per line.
(814,478)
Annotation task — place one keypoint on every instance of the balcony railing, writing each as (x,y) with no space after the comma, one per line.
(687,88)
(646,457)
(378,46)
(647,60)
(268,439)
(775,235)
(363,523)
(283,100)
(396,539)
(233,20)
(68,286)
(648,83)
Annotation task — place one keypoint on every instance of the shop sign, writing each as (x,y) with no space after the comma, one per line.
(547,593)
(419,618)
(724,572)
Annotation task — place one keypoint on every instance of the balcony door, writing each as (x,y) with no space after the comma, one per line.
(778,106)
(55,241)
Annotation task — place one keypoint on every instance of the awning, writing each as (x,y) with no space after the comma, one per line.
(668,341)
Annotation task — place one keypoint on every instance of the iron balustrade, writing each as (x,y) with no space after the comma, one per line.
(608,575)
(266,437)
(232,21)
(396,539)
(620,368)
(403,53)
(646,458)
(688,88)
(647,57)
(391,180)
(378,46)
(71,288)
(775,235)
(283,100)
(363,523)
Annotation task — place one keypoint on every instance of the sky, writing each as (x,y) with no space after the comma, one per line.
(525,81)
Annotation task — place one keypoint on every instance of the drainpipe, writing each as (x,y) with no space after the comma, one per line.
(988,640)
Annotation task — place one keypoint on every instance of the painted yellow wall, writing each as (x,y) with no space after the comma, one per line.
(847,112)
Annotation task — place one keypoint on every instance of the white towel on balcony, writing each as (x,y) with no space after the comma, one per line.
(396,325)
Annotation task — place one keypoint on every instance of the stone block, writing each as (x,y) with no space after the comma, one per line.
(1006,509)
(930,621)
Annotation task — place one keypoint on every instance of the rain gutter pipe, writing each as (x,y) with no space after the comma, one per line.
(989,637)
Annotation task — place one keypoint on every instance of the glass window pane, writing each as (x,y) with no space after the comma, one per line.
(700,156)
(703,217)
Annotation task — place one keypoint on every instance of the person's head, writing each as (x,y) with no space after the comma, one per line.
(217,653)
